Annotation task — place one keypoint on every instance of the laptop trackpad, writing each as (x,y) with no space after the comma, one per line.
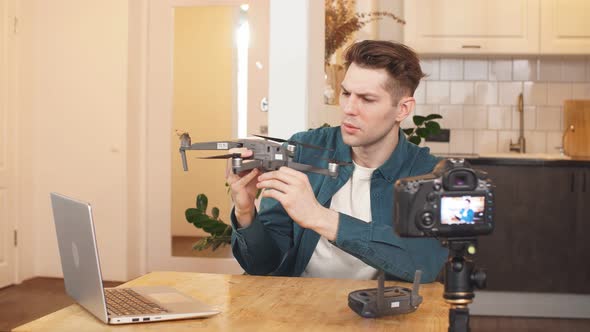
(166,298)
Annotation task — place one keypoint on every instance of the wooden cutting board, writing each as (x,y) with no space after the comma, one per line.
(576,139)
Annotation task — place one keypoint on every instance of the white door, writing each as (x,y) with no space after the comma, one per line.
(7,145)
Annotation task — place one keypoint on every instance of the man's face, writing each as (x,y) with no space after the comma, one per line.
(369,113)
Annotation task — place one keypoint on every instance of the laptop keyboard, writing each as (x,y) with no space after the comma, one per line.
(124,301)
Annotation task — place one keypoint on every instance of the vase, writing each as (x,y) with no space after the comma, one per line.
(334,74)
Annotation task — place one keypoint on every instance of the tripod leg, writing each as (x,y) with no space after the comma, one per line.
(459,319)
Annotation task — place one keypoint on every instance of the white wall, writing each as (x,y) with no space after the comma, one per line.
(73,99)
(295,65)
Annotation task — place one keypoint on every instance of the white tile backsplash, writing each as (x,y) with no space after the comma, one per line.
(438,147)
(486,93)
(461,141)
(462,92)
(452,116)
(549,118)
(499,117)
(558,92)
(550,69)
(486,141)
(420,93)
(475,70)
(431,67)
(535,93)
(581,91)
(508,92)
(536,141)
(477,98)
(574,70)
(451,69)
(438,92)
(524,69)
(500,70)
(475,117)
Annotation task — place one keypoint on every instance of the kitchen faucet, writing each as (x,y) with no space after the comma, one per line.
(520,145)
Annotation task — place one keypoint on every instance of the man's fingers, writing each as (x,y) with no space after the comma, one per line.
(248,177)
(273,184)
(281,175)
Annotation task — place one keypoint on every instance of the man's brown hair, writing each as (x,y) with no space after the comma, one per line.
(400,62)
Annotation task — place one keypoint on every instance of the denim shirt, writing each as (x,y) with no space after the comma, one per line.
(274,244)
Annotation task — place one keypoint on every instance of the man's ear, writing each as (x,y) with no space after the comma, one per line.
(406,107)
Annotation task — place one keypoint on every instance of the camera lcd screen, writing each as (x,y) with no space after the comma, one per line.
(462,210)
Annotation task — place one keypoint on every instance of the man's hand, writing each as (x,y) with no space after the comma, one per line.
(243,189)
(293,190)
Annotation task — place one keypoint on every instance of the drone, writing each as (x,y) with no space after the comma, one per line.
(268,154)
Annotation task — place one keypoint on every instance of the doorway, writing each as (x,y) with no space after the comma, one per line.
(200,97)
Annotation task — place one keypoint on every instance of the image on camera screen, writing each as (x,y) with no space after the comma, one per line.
(461,210)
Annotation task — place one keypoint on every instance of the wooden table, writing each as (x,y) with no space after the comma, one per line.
(254,303)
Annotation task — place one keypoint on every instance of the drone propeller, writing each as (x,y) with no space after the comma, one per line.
(223,156)
(334,161)
(281,140)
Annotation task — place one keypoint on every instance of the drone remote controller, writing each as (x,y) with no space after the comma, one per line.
(385,301)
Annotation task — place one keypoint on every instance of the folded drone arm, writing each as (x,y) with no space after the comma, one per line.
(221,145)
(310,168)
(246,166)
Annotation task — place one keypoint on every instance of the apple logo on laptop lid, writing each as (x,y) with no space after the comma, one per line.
(75,255)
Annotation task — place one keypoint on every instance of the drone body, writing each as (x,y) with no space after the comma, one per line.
(267,154)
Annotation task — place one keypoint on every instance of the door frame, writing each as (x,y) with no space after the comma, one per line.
(9,68)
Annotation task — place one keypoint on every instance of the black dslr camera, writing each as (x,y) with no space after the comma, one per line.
(455,203)
(451,202)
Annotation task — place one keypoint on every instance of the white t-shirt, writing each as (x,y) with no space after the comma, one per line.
(329,261)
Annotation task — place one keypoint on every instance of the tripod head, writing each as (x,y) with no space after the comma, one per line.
(461,276)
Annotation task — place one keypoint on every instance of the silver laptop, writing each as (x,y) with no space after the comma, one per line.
(83,279)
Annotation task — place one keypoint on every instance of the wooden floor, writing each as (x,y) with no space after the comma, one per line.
(32,299)
(37,297)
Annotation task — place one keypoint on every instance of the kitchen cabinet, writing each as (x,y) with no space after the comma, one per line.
(565,27)
(541,239)
(472,26)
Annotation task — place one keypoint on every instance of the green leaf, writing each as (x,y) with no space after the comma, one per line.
(202,202)
(418,120)
(415,139)
(215,213)
(423,132)
(199,220)
(434,127)
(408,131)
(433,116)
(191,213)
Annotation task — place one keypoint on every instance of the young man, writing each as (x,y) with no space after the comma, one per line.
(315,226)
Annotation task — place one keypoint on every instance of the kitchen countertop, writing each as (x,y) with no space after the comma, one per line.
(521,159)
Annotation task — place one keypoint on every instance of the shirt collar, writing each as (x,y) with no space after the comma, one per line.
(390,170)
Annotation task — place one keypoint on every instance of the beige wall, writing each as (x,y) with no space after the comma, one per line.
(73,121)
(204,97)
